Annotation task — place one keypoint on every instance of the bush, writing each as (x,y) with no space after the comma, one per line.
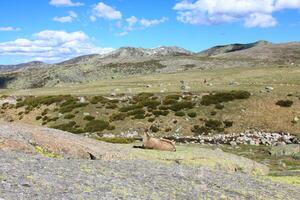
(69,127)
(117,117)
(197,130)
(221,97)
(151,119)
(117,140)
(173,96)
(150,103)
(137,112)
(111,127)
(143,96)
(139,116)
(70,105)
(45,112)
(96,126)
(99,99)
(111,106)
(213,113)
(179,113)
(228,124)
(158,113)
(285,103)
(219,106)
(163,108)
(69,116)
(154,128)
(182,105)
(213,124)
(89,118)
(38,117)
(169,101)
(21,113)
(129,108)
(192,114)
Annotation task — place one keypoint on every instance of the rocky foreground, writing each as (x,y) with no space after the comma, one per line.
(43,163)
(34,177)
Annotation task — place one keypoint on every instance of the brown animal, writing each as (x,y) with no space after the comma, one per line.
(158,144)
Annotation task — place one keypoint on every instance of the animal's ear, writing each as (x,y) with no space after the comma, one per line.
(147,135)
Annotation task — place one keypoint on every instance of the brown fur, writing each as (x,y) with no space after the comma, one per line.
(158,144)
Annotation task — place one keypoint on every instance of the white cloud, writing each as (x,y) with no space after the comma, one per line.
(65,3)
(135,23)
(260,20)
(101,10)
(49,45)
(131,21)
(9,29)
(66,19)
(254,13)
(152,22)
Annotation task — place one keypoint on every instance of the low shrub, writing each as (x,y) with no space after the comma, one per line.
(285,103)
(151,119)
(142,96)
(99,99)
(221,97)
(192,114)
(111,106)
(150,103)
(129,108)
(169,101)
(89,118)
(197,130)
(137,112)
(111,127)
(70,105)
(139,116)
(213,124)
(117,117)
(69,127)
(182,105)
(179,114)
(158,113)
(45,112)
(96,126)
(69,116)
(117,140)
(173,96)
(21,113)
(163,108)
(228,124)
(38,117)
(154,128)
(213,113)
(219,106)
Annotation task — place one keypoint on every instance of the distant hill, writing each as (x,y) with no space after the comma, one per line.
(128,61)
(32,64)
(231,48)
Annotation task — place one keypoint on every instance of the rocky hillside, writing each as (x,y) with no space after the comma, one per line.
(128,61)
(223,49)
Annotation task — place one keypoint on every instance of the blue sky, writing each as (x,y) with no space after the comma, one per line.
(55,30)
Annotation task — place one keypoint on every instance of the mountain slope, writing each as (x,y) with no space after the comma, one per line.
(128,61)
(231,48)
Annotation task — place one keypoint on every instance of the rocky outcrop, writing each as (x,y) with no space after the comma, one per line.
(286,150)
(33,139)
(249,137)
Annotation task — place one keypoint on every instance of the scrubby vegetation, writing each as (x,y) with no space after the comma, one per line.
(285,103)
(96,126)
(89,118)
(117,140)
(221,97)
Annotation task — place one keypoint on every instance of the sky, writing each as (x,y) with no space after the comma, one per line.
(56,30)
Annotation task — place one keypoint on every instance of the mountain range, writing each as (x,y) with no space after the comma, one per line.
(133,61)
